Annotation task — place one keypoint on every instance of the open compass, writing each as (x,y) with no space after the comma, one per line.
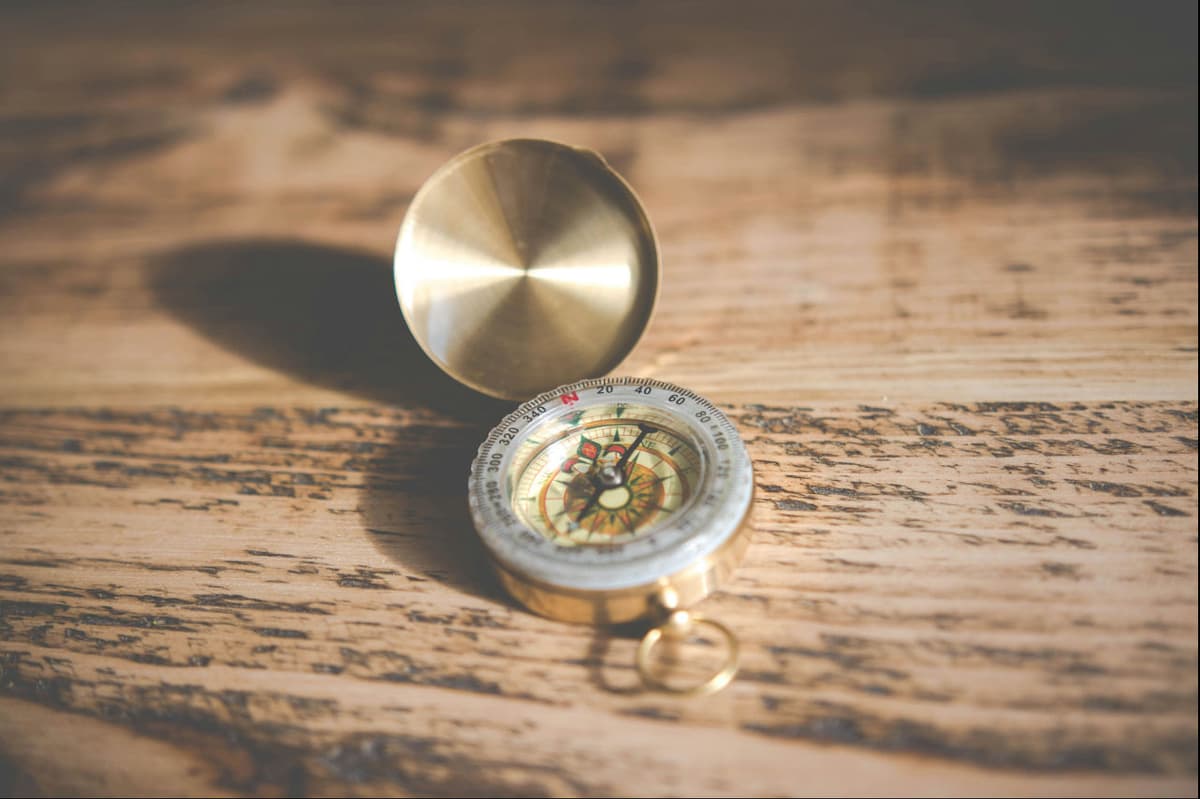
(609,500)
(521,267)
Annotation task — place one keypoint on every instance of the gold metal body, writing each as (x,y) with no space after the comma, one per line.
(664,602)
(523,265)
(689,586)
(679,625)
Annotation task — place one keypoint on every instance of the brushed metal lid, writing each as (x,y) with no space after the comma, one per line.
(525,264)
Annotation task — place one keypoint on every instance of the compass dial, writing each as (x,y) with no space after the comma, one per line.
(612,485)
(605,475)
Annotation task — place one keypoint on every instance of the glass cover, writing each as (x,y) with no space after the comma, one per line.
(604,475)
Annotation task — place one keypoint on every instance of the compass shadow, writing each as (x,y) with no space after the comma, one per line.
(610,659)
(414,506)
(325,315)
(328,316)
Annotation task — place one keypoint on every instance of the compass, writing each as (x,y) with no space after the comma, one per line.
(610,500)
(523,266)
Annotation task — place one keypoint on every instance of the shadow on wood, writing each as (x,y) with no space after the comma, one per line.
(610,659)
(414,505)
(329,316)
(325,315)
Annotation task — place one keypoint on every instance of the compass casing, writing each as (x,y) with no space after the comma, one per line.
(689,555)
(690,585)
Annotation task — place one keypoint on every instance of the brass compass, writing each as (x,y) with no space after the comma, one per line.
(527,268)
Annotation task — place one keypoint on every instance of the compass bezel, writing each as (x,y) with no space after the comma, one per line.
(690,553)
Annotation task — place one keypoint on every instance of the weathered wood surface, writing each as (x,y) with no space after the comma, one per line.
(937,261)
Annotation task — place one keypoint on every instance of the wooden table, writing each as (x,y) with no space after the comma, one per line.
(938,262)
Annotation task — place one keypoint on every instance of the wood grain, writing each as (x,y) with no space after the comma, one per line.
(938,262)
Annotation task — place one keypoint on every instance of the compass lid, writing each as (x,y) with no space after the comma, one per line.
(523,265)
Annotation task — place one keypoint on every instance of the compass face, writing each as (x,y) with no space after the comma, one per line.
(605,475)
(609,484)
